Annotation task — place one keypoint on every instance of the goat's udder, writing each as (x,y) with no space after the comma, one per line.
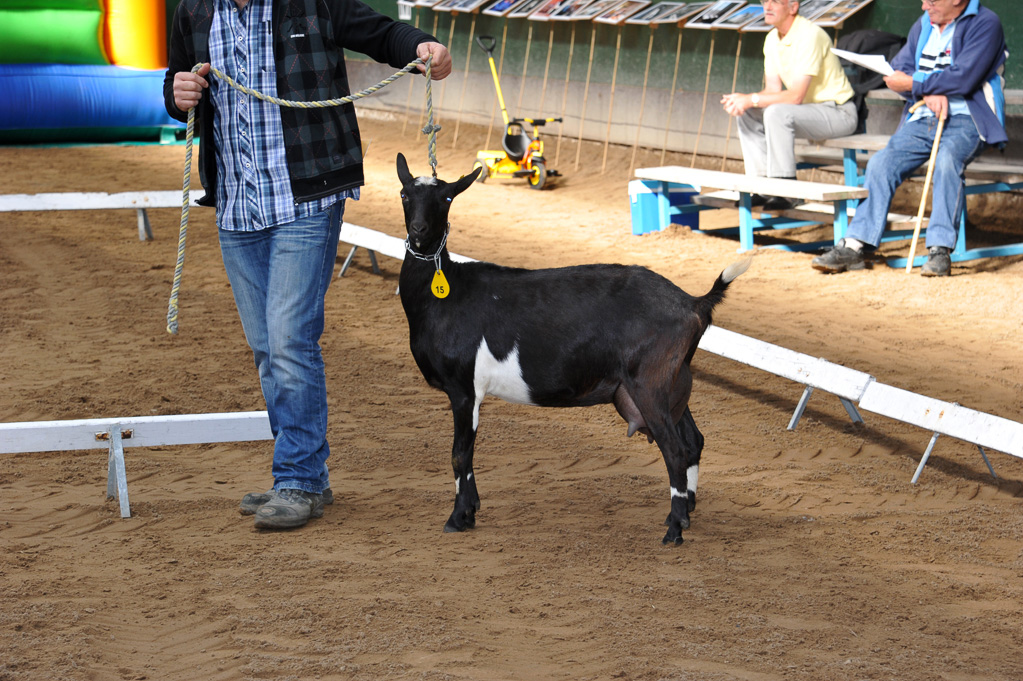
(628,410)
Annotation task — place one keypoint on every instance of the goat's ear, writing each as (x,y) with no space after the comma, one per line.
(460,185)
(403,172)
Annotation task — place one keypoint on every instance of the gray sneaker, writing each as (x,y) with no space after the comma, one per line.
(253,500)
(839,259)
(289,508)
(939,262)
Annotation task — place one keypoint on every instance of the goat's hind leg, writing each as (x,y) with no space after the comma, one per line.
(673,448)
(467,498)
(693,439)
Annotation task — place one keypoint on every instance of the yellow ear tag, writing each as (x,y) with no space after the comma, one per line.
(440,286)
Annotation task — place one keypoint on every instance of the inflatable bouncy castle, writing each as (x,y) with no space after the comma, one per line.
(83,71)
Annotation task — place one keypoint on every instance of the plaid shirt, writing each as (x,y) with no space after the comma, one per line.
(254,191)
(322,145)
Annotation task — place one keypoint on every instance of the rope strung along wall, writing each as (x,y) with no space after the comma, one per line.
(430,129)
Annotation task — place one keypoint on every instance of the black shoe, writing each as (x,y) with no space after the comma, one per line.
(754,200)
(839,259)
(253,500)
(939,262)
(780,203)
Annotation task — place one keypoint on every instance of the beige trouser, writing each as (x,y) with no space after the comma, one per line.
(768,136)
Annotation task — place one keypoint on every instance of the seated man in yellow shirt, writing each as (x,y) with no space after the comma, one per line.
(806,95)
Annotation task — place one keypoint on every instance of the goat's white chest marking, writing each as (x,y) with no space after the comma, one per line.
(500,378)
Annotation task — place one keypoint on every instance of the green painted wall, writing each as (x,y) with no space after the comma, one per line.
(895,16)
(890,15)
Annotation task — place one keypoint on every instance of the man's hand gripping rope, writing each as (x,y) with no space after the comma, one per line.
(188,87)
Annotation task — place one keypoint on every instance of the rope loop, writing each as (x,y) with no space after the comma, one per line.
(430,129)
(172,309)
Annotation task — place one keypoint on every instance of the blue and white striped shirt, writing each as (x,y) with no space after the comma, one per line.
(254,185)
(937,56)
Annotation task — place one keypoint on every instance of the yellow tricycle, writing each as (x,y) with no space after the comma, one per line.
(522,155)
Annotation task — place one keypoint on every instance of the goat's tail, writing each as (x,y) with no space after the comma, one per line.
(707,303)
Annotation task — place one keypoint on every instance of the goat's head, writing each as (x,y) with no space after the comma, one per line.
(426,201)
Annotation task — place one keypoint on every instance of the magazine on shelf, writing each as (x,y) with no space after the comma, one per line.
(718,10)
(654,14)
(840,12)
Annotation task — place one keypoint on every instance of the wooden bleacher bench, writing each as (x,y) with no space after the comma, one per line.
(833,196)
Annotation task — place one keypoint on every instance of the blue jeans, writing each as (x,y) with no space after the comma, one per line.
(907,150)
(279,277)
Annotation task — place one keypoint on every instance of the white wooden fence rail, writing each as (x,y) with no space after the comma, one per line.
(113,434)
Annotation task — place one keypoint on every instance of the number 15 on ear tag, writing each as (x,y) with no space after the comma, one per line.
(440,287)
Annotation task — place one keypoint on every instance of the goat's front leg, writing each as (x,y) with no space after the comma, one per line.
(467,499)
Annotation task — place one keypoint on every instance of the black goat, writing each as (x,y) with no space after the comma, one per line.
(566,337)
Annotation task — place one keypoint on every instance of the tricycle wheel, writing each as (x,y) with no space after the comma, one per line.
(482,177)
(539,177)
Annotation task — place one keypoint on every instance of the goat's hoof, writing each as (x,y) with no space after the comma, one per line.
(674,536)
(467,521)
(681,522)
(692,502)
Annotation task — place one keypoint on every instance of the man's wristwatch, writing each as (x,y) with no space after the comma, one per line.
(756,100)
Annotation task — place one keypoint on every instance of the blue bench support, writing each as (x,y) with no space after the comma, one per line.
(660,181)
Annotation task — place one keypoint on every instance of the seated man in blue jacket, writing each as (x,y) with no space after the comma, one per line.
(953,60)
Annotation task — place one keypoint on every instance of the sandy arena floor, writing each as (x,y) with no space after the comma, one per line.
(811,556)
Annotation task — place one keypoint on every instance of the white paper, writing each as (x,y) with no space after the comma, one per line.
(874,62)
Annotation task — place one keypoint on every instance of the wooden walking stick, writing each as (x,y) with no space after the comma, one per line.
(927,186)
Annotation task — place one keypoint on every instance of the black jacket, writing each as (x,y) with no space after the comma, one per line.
(322,145)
